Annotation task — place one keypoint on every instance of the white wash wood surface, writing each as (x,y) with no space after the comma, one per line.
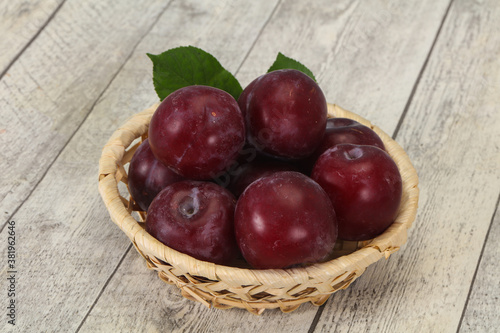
(365,55)
(51,88)
(86,72)
(483,306)
(20,22)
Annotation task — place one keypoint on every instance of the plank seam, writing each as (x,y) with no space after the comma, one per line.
(420,74)
(478,264)
(317,317)
(98,98)
(35,36)
(315,321)
(258,36)
(103,288)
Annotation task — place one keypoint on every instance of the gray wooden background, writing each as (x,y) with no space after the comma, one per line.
(71,72)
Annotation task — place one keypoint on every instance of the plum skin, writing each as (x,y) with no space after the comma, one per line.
(365,187)
(343,130)
(285,114)
(147,176)
(197,131)
(195,218)
(249,172)
(283,220)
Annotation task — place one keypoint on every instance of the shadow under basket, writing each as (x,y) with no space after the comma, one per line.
(251,289)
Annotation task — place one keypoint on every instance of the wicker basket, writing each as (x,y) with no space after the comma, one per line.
(254,290)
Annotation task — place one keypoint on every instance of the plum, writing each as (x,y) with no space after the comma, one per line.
(285,114)
(365,187)
(197,131)
(284,220)
(247,173)
(343,130)
(147,176)
(195,218)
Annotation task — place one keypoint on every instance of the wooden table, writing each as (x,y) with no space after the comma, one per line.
(426,72)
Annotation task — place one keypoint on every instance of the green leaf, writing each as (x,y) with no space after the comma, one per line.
(187,65)
(283,62)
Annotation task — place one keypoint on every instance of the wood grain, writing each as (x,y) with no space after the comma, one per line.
(483,307)
(366,56)
(49,90)
(165,310)
(20,22)
(451,133)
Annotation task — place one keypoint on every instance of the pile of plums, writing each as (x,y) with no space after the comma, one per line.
(268,177)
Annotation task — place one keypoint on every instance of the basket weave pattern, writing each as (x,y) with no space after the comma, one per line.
(254,290)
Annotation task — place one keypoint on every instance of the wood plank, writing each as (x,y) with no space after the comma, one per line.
(164,310)
(68,246)
(483,307)
(365,56)
(47,93)
(124,307)
(20,22)
(451,133)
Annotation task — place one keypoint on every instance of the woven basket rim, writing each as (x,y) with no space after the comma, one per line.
(385,244)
